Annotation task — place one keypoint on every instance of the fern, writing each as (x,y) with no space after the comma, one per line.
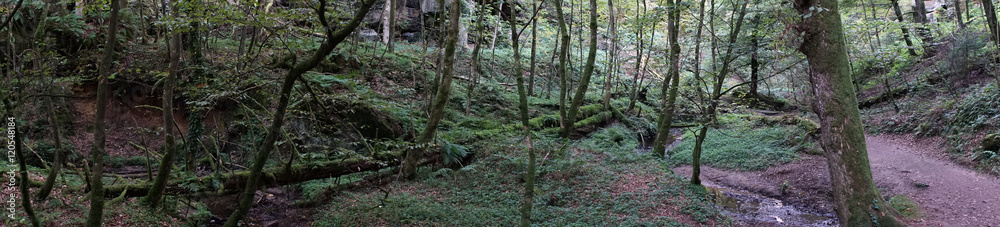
(453,153)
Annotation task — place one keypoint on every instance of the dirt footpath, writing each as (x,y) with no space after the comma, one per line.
(954,196)
(948,194)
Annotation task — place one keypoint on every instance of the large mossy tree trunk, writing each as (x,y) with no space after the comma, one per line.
(588,71)
(672,81)
(906,32)
(155,195)
(440,100)
(267,144)
(856,200)
(96,213)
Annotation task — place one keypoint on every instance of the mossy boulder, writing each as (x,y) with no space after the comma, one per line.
(991,142)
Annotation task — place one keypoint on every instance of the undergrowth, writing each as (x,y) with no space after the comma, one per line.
(743,147)
(571,190)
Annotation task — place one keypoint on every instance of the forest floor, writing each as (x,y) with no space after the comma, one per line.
(947,193)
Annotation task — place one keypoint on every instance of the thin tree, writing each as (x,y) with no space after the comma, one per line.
(563,60)
(612,53)
(639,28)
(155,195)
(18,141)
(389,23)
(529,178)
(920,17)
(6,21)
(96,214)
(588,70)
(709,115)
(440,100)
(856,200)
(333,38)
(57,161)
(958,14)
(906,32)
(476,65)
(534,41)
(58,157)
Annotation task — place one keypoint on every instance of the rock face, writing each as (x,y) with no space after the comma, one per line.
(991,142)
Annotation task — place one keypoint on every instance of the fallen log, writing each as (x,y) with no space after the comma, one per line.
(231,183)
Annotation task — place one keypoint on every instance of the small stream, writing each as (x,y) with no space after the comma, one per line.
(753,208)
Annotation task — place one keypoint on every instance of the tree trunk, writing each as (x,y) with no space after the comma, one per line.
(13,12)
(233,182)
(552,60)
(991,21)
(638,60)
(588,70)
(856,200)
(920,16)
(663,136)
(529,176)
(391,31)
(709,116)
(534,40)
(906,32)
(958,14)
(96,214)
(387,12)
(333,39)
(57,161)
(155,195)
(563,55)
(612,53)
(496,30)
(441,99)
(754,62)
(18,141)
(475,64)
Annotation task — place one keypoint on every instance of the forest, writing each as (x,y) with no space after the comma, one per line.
(500,113)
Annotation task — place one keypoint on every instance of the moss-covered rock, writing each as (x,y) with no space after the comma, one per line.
(991,142)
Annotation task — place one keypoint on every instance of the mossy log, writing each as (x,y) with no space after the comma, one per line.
(234,182)
(892,94)
(552,120)
(896,92)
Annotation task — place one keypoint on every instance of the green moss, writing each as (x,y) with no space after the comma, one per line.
(544,121)
(593,120)
(906,207)
(591,109)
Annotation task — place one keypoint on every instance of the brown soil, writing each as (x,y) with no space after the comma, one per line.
(955,196)
(127,120)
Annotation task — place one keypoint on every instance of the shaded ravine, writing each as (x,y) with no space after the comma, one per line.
(947,193)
